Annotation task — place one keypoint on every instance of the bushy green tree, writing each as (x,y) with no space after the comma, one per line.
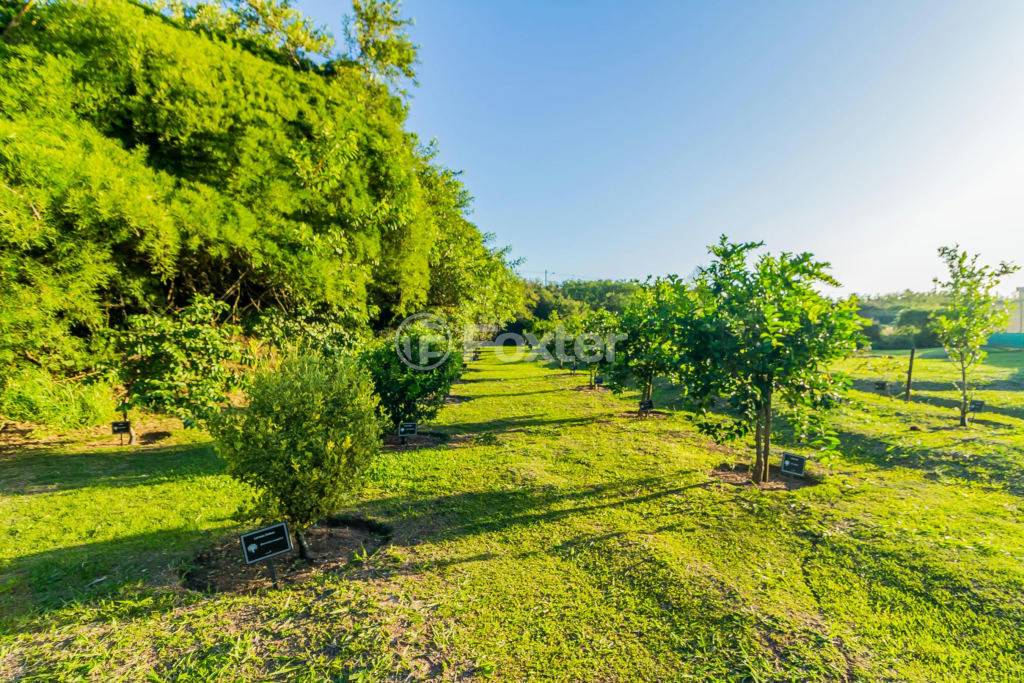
(972,315)
(178,364)
(595,344)
(409,394)
(761,338)
(648,348)
(309,432)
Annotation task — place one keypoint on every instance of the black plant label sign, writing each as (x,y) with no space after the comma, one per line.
(646,406)
(794,464)
(265,543)
(121,427)
(977,406)
(407,429)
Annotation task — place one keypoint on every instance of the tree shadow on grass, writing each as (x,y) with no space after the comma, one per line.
(127,568)
(121,568)
(479,512)
(45,471)
(939,464)
(954,405)
(509,424)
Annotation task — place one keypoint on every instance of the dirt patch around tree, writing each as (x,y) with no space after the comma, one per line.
(739,475)
(335,543)
(650,415)
(421,440)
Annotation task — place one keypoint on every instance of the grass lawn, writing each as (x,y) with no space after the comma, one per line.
(553,537)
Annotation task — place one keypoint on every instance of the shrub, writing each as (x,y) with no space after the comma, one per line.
(310,430)
(34,396)
(407,394)
(178,364)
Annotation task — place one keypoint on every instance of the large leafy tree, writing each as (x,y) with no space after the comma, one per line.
(758,338)
(148,160)
(971,315)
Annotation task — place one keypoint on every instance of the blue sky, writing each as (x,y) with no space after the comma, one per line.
(616,139)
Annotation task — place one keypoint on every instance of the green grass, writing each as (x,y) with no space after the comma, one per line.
(554,537)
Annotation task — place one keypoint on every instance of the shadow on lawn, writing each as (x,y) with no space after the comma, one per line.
(47,471)
(126,568)
(478,512)
(992,468)
(508,424)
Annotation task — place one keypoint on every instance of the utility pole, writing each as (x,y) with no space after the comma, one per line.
(545,278)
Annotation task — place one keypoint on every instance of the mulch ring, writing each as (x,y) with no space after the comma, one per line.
(587,387)
(334,543)
(449,399)
(421,440)
(653,415)
(739,475)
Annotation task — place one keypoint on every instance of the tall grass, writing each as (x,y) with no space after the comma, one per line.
(34,396)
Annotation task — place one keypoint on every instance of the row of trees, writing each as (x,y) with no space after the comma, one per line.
(750,339)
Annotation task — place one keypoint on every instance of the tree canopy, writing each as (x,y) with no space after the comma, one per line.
(148,157)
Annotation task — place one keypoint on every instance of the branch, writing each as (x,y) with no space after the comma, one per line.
(17,19)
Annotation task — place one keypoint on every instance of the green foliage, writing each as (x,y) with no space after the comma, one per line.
(595,343)
(649,348)
(609,295)
(408,394)
(971,316)
(886,309)
(178,364)
(307,330)
(759,338)
(378,41)
(145,164)
(270,24)
(32,395)
(309,432)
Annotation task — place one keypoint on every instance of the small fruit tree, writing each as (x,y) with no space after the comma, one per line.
(754,339)
(595,343)
(406,393)
(971,316)
(647,348)
(310,430)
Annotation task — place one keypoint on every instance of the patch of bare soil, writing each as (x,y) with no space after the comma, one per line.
(421,440)
(739,475)
(24,435)
(334,543)
(587,387)
(452,400)
(651,415)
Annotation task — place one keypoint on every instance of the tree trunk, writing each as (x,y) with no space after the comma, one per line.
(910,374)
(131,435)
(17,19)
(767,436)
(963,393)
(755,474)
(304,553)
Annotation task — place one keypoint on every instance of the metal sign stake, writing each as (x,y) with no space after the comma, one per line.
(273,572)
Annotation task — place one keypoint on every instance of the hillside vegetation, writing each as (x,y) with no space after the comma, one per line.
(144,164)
